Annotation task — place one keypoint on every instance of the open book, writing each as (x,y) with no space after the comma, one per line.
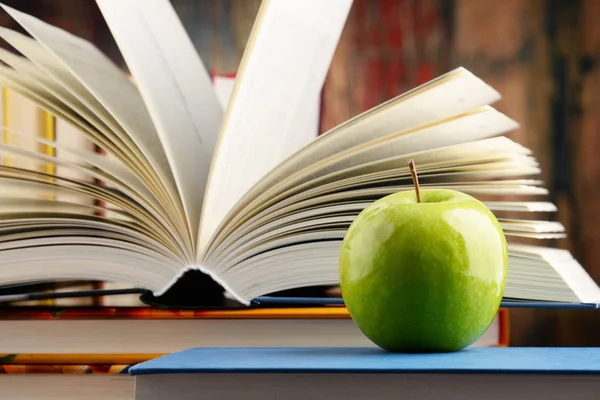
(243,199)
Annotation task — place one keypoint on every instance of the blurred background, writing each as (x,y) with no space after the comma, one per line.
(541,55)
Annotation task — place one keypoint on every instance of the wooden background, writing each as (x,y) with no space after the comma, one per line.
(540,54)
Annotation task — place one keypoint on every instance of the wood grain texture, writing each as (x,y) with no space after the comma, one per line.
(542,56)
(576,54)
(386,48)
(506,46)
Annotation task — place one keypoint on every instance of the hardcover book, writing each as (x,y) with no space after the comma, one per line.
(67,382)
(368,373)
(148,332)
(200,199)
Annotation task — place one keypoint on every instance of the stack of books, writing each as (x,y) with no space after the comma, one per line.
(198,192)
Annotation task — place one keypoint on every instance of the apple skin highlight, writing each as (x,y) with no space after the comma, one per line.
(424,276)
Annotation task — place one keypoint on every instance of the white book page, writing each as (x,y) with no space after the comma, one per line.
(394,152)
(69,87)
(296,226)
(112,139)
(103,260)
(281,74)
(316,198)
(55,70)
(537,278)
(477,125)
(293,226)
(142,196)
(481,151)
(223,86)
(176,89)
(31,88)
(304,210)
(28,87)
(22,114)
(67,135)
(276,219)
(307,127)
(452,94)
(22,205)
(63,99)
(28,187)
(96,79)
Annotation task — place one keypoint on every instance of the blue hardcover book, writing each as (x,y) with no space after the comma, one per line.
(370,373)
(323,301)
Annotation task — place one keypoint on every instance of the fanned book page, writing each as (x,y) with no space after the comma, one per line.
(283,69)
(176,89)
(203,193)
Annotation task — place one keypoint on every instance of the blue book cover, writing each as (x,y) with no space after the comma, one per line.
(507,360)
(322,301)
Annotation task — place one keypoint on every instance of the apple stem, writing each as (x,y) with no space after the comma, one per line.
(413,172)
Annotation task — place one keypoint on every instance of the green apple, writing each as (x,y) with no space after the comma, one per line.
(424,276)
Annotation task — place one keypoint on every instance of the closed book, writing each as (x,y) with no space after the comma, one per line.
(368,373)
(66,382)
(126,331)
